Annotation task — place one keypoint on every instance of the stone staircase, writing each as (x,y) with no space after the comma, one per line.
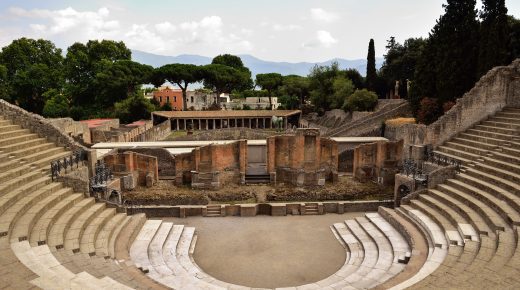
(50,236)
(470,222)
(213,211)
(311,209)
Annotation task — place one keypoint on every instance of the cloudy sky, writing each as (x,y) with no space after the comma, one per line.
(278,30)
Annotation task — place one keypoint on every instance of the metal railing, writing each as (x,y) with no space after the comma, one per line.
(441,159)
(67,162)
(98,182)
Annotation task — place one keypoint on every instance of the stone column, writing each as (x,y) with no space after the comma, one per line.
(177,120)
(263,121)
(207,125)
(215,124)
(250,123)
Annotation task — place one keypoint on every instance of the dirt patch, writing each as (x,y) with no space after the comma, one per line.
(166,193)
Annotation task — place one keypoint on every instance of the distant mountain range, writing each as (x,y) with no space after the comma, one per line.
(256,65)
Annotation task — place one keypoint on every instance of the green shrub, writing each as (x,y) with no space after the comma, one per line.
(361,100)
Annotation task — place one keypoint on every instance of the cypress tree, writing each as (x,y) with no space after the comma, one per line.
(371,66)
(494,36)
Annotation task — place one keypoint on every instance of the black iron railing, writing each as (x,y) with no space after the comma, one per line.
(441,159)
(414,169)
(66,163)
(102,174)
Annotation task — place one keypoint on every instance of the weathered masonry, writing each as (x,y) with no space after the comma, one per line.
(211,120)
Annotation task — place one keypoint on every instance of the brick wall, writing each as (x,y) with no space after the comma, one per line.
(379,159)
(77,130)
(137,165)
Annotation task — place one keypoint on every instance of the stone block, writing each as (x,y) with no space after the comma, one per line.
(278,209)
(149,180)
(247,210)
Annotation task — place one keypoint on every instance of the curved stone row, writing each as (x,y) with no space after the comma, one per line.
(51,237)
(474,216)
(376,252)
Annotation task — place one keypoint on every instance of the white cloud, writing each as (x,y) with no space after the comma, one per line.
(69,22)
(322,39)
(286,27)
(322,15)
(66,26)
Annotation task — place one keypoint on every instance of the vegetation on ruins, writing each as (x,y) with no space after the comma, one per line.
(269,82)
(371,66)
(361,100)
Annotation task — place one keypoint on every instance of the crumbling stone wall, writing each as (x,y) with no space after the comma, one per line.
(499,88)
(212,166)
(133,168)
(165,160)
(77,130)
(379,160)
(302,159)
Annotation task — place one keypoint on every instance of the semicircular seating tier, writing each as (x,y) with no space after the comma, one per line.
(461,234)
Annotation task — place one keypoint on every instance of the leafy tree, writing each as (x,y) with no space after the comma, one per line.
(3,83)
(83,63)
(514,35)
(180,74)
(371,66)
(400,63)
(361,100)
(321,79)
(448,66)
(494,46)
(343,88)
(223,79)
(30,68)
(356,78)
(166,107)
(134,108)
(289,102)
(269,82)
(294,85)
(429,111)
(56,106)
(119,80)
(236,63)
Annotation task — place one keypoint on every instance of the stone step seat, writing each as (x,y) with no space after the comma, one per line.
(509,114)
(476,144)
(41,261)
(501,130)
(450,231)
(387,265)
(354,250)
(512,187)
(9,216)
(505,155)
(463,226)
(467,148)
(505,210)
(14,172)
(19,181)
(515,168)
(23,226)
(95,266)
(464,157)
(14,274)
(46,162)
(124,235)
(13,133)
(510,150)
(483,139)
(36,149)
(15,147)
(434,231)
(505,174)
(55,221)
(88,238)
(139,248)
(4,122)
(400,247)
(491,217)
(500,124)
(10,198)
(112,227)
(17,139)
(476,221)
(435,255)
(500,193)
(36,157)
(508,119)
(70,237)
(370,251)
(490,134)
(10,163)
(9,128)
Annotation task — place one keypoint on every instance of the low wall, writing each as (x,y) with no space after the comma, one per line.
(156,133)
(77,130)
(165,159)
(39,125)
(272,209)
(499,88)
